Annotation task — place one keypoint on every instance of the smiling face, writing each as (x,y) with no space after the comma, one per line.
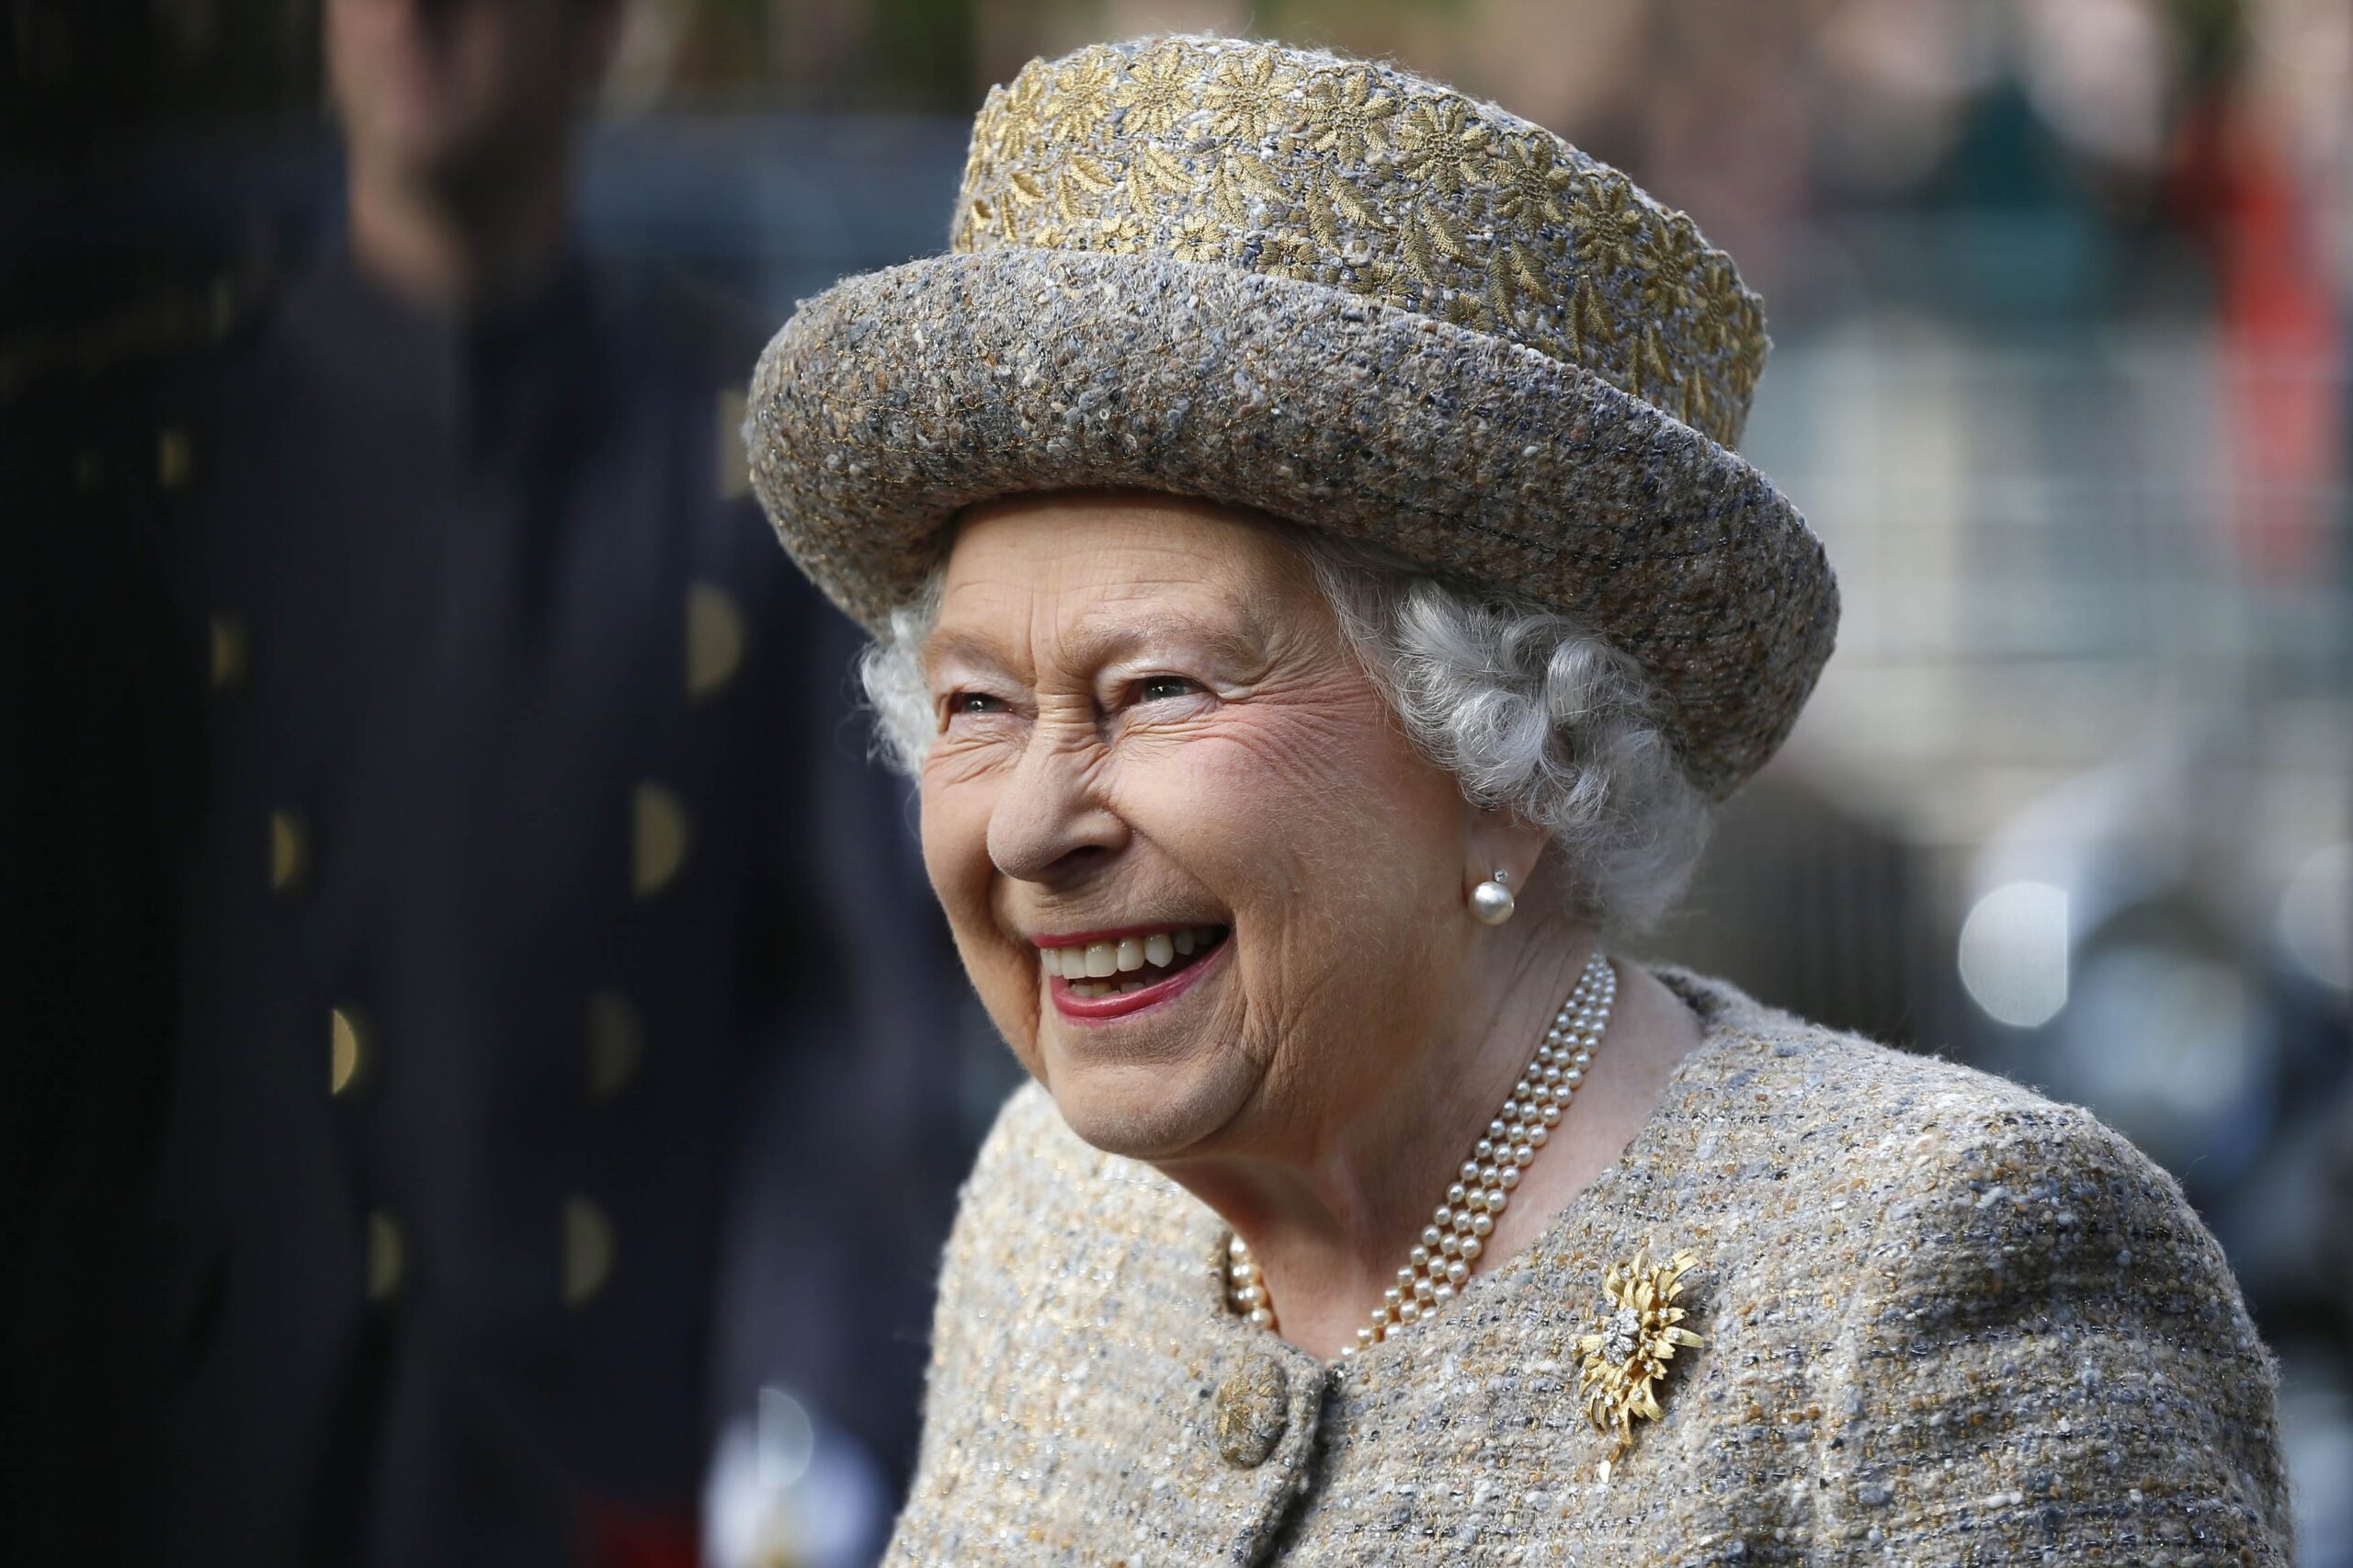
(1197,874)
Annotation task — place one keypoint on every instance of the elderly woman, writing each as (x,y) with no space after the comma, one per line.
(1312,580)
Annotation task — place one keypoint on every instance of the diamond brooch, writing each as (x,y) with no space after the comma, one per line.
(1627,1355)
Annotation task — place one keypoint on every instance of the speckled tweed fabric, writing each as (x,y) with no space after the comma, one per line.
(1344,295)
(1949,1322)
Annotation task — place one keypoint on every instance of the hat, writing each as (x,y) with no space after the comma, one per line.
(1340,294)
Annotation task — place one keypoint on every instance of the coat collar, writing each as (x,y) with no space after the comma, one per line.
(1528,1309)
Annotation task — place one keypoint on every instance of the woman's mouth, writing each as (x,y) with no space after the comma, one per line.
(1111,975)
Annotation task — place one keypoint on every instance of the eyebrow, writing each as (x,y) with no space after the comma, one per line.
(1102,639)
(965,647)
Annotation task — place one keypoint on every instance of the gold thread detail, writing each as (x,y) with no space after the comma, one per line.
(1158,92)
(1439,145)
(1348,115)
(1245,96)
(1356,177)
(1082,103)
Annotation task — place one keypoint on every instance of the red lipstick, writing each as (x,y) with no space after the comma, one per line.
(1125,1004)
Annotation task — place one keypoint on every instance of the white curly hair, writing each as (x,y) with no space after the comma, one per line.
(1529,710)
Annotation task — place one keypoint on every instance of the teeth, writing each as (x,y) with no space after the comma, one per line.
(1128,986)
(1096,962)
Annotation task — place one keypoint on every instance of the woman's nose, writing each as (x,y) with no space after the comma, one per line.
(1051,822)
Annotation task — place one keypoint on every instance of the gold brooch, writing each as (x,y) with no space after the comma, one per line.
(1641,1326)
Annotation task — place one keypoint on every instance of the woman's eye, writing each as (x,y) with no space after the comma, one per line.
(974,702)
(1159,688)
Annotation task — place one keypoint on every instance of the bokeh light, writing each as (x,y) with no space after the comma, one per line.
(2316,916)
(2014,953)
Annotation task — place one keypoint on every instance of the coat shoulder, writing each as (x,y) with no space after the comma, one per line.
(1999,1262)
(1901,1155)
(1798,1082)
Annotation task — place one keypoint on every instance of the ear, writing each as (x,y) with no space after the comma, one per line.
(1496,840)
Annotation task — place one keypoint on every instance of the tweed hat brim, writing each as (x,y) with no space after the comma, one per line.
(895,398)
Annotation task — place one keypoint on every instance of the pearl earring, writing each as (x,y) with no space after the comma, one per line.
(1492,902)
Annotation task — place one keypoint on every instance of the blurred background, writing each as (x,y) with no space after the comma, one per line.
(2059,291)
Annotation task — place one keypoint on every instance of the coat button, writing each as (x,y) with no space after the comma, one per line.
(231,654)
(351,1055)
(659,838)
(1251,1412)
(290,852)
(175,459)
(616,1039)
(387,1257)
(587,1251)
(714,639)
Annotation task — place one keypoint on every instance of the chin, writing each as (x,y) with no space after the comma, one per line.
(1148,1109)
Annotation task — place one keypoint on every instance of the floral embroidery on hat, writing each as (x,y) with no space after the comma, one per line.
(1359,176)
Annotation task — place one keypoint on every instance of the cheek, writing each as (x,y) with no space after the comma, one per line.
(955,831)
(1319,814)
(954,828)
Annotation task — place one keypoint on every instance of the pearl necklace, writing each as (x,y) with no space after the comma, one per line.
(1451,1244)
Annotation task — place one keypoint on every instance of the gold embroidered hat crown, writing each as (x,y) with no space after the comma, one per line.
(1343,295)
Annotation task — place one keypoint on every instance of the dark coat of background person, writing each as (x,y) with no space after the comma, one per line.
(453,855)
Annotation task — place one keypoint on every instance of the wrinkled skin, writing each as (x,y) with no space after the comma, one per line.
(1147,716)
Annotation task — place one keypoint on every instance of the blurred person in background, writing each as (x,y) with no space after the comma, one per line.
(524,882)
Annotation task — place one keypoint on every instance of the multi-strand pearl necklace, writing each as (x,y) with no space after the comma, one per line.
(1451,1244)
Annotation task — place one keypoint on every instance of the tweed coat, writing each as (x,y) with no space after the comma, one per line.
(1949,1322)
